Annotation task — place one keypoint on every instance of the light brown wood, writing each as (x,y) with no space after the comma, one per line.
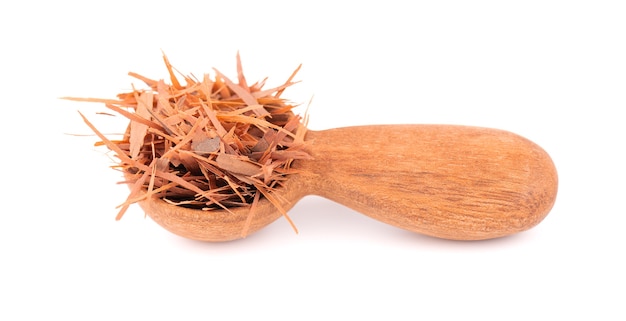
(453,182)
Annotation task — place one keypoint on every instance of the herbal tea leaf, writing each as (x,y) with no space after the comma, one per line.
(208,144)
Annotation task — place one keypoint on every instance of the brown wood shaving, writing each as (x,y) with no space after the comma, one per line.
(206,144)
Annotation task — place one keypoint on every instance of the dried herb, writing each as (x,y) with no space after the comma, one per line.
(205,144)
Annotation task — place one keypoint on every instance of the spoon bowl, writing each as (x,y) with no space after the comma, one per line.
(452,182)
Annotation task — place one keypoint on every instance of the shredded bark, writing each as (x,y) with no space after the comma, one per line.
(205,144)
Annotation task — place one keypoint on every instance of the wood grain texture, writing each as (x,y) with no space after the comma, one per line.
(453,182)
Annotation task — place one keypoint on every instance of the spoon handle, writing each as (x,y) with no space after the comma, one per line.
(454,182)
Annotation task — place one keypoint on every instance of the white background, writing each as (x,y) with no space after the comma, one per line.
(552,71)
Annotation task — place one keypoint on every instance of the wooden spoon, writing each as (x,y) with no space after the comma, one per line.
(453,182)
